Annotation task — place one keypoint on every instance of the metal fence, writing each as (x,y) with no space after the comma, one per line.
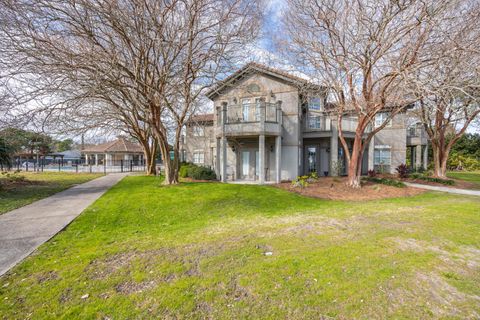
(77,166)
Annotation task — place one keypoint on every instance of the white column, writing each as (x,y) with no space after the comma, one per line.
(96,159)
(223,167)
(278,159)
(425,157)
(217,157)
(418,156)
(334,149)
(261,158)
(371,150)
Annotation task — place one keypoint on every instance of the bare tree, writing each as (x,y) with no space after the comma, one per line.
(360,50)
(448,89)
(148,60)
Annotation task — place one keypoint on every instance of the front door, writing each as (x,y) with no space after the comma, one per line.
(248,165)
(311,159)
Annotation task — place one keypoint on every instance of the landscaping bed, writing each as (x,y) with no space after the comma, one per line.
(335,188)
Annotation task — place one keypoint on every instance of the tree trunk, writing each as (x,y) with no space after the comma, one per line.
(170,165)
(440,158)
(355,164)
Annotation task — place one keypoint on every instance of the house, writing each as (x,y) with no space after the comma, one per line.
(266,128)
(114,153)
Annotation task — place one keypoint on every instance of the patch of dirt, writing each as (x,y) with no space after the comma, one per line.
(47,276)
(66,295)
(335,188)
(434,293)
(464,261)
(130,287)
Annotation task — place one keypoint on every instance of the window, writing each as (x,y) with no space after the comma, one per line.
(381,117)
(245,109)
(198,131)
(382,156)
(314,104)
(198,157)
(313,121)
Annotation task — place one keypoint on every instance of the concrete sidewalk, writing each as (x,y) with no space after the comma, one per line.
(445,189)
(24,229)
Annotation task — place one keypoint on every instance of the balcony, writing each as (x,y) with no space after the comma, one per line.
(416,136)
(252,112)
(317,122)
(250,119)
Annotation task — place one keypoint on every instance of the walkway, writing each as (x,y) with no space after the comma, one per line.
(445,189)
(24,229)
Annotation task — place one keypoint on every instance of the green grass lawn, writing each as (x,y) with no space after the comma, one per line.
(202,250)
(473,177)
(47,183)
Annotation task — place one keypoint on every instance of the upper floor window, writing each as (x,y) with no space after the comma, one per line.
(313,121)
(381,117)
(198,157)
(198,131)
(314,103)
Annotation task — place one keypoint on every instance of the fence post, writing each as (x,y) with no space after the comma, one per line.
(121,165)
(105,166)
(59,169)
(131,165)
(90,166)
(76,167)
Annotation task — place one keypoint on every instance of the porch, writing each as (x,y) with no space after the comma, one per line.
(252,159)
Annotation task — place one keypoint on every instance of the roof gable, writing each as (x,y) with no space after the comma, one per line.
(255,68)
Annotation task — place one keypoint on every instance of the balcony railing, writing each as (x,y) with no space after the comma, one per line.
(323,122)
(319,123)
(252,112)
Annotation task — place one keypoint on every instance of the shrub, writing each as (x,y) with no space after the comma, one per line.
(183,171)
(402,171)
(300,182)
(201,173)
(190,170)
(372,173)
(385,181)
(463,162)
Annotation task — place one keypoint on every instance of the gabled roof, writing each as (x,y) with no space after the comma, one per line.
(254,67)
(120,145)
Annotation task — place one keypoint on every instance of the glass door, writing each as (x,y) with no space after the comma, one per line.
(311,159)
(245,164)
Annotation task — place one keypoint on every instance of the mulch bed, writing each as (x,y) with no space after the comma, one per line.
(335,188)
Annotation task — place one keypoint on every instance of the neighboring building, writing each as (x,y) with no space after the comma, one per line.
(114,152)
(263,121)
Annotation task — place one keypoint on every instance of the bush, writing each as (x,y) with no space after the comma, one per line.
(300,182)
(183,171)
(402,171)
(201,173)
(457,161)
(190,170)
(385,181)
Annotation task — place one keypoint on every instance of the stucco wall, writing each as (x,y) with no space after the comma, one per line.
(395,137)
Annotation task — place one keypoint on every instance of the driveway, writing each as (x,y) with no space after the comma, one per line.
(24,229)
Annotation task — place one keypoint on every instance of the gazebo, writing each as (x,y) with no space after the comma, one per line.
(114,153)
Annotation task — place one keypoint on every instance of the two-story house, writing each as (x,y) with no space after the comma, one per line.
(265,128)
